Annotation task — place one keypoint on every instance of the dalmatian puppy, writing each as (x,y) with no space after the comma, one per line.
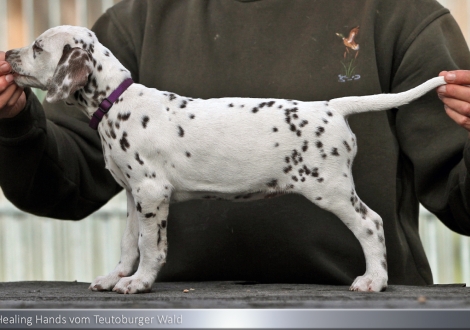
(237,149)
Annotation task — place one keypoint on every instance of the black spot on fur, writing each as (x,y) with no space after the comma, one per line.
(305,146)
(129,167)
(124,142)
(318,198)
(276,144)
(346,145)
(139,207)
(303,123)
(370,232)
(124,116)
(315,172)
(319,144)
(275,129)
(150,215)
(113,134)
(172,96)
(188,154)
(287,169)
(163,223)
(230,105)
(320,180)
(320,130)
(272,183)
(180,131)
(145,120)
(377,224)
(334,152)
(362,209)
(191,116)
(307,171)
(271,103)
(137,157)
(255,110)
(329,113)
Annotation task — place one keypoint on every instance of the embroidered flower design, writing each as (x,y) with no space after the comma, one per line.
(350,56)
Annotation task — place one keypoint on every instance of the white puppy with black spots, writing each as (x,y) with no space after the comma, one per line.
(162,147)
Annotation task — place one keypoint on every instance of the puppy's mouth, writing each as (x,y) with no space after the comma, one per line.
(14,72)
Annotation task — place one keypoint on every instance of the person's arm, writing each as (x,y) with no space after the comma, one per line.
(434,148)
(50,165)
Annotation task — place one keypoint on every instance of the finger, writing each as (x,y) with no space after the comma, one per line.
(456,105)
(4,68)
(6,95)
(15,97)
(460,77)
(460,119)
(5,82)
(454,91)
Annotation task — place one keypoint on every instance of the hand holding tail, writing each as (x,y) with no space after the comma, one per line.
(456,96)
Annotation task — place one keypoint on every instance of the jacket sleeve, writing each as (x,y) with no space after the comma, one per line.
(434,148)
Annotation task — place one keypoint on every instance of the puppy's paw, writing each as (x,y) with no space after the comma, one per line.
(369,283)
(133,284)
(104,283)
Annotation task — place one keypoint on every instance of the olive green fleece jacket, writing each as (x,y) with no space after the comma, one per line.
(51,162)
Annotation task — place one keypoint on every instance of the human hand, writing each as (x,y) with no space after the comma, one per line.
(456,96)
(12,97)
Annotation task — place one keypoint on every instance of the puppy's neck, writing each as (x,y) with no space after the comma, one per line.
(107,75)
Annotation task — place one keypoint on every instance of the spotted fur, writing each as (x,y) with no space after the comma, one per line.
(162,148)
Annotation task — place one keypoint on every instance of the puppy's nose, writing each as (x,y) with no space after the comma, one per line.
(7,54)
(10,54)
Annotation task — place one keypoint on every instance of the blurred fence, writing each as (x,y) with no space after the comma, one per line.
(33,248)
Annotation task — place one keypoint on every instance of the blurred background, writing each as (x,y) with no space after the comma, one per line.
(33,248)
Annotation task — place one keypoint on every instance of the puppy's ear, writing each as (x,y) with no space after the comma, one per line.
(71,74)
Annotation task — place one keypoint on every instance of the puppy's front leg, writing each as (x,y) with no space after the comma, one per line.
(129,251)
(152,246)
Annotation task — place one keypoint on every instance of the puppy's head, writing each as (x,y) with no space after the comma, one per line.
(59,61)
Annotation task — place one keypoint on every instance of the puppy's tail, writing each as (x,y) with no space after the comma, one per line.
(357,104)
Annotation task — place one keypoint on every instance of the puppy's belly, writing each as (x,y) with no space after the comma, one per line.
(177,197)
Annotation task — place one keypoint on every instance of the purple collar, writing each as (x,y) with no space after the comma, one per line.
(108,102)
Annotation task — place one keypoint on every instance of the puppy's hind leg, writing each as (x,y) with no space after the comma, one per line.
(152,212)
(365,224)
(129,251)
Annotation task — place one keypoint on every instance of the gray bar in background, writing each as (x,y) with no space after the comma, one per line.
(234,319)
